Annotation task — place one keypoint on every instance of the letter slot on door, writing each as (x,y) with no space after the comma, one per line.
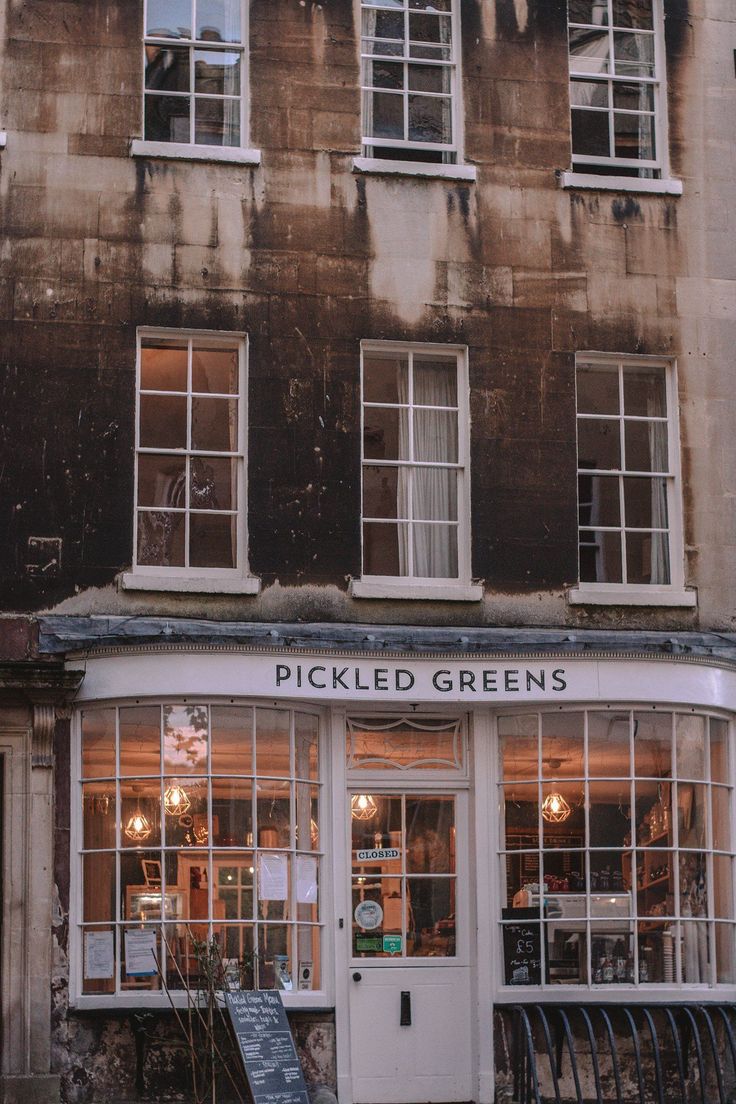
(405,1017)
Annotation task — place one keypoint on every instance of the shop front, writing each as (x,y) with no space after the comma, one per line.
(404,842)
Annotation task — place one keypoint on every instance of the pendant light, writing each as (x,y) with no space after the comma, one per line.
(138,827)
(176,801)
(555,809)
(363,807)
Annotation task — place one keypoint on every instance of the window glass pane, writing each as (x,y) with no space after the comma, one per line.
(612,952)
(140,812)
(185,739)
(435,435)
(169,18)
(645,503)
(308,954)
(633,54)
(429,78)
(600,557)
(610,872)
(653,745)
(378,825)
(98,743)
(274,956)
(163,365)
(723,886)
(167,118)
(384,24)
(430,119)
(402,744)
(563,873)
(563,828)
(385,433)
(690,741)
(518,745)
(383,74)
(232,812)
(566,951)
(93,950)
(218,20)
(429,28)
(719,764)
(213,483)
(691,814)
(384,114)
(140,739)
(307,817)
(215,370)
(597,390)
(520,813)
(590,133)
(647,558)
(232,885)
(633,13)
(634,136)
(385,549)
(167,68)
(610,814)
(434,494)
(608,745)
(380,491)
(430,835)
(693,884)
(653,812)
(589,94)
(186,809)
(435,382)
(134,981)
(273,804)
(520,879)
(598,500)
(306,745)
(599,443)
(161,480)
(589,11)
(725,954)
(187,876)
(272,742)
(431,917)
(721,799)
(160,539)
(98,811)
(163,421)
(589,51)
(214,424)
(273,872)
(213,541)
(657,952)
(385,379)
(216,73)
(435,551)
(634,97)
(217,122)
(562,745)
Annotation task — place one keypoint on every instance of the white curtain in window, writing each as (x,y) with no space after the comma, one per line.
(435,554)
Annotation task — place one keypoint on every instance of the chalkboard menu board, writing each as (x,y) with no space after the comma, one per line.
(522,947)
(266,1047)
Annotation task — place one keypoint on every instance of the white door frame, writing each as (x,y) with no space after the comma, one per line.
(478,784)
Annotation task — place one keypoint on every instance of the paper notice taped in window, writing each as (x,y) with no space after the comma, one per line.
(273,877)
(99,955)
(140,953)
(306,880)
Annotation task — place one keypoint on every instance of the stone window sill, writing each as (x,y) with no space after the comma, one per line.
(619,183)
(376,166)
(394,589)
(180,151)
(188,584)
(615,595)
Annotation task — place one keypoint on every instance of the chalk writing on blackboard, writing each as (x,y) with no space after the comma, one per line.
(522,947)
(266,1047)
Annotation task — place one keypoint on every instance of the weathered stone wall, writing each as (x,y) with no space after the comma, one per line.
(309,258)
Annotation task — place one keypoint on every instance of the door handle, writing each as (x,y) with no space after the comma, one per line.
(357,976)
(405,1017)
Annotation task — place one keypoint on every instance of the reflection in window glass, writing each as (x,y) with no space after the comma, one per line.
(631,881)
(405,743)
(199,843)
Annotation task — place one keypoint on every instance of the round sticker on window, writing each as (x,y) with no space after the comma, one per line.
(368,915)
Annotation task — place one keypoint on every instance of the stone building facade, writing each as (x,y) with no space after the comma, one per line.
(460,278)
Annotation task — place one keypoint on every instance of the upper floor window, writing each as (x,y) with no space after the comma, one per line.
(409,78)
(190,454)
(616,91)
(195,72)
(628,474)
(416,510)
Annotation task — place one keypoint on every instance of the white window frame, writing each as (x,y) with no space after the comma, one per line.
(636,991)
(157,999)
(461,588)
(673,593)
(660,181)
(454,169)
(237,580)
(240,154)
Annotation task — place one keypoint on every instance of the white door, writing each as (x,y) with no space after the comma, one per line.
(411,1028)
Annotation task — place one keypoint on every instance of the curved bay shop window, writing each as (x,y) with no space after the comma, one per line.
(616,836)
(198,822)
